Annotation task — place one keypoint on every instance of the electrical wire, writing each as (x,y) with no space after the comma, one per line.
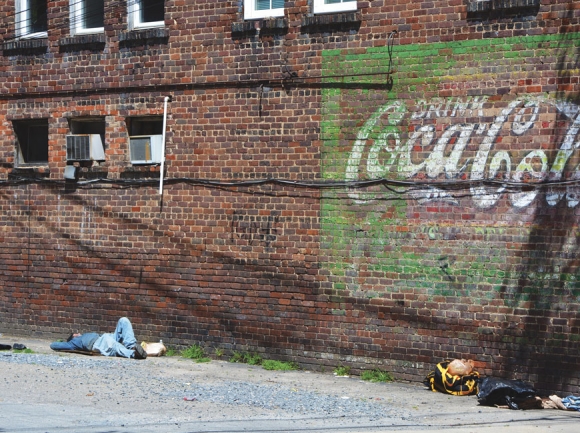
(392,185)
(277,83)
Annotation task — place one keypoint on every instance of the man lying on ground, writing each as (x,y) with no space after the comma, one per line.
(121,343)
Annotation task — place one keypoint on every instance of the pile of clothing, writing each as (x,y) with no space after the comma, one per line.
(458,377)
(515,394)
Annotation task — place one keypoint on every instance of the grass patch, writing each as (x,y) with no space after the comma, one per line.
(252,359)
(246,358)
(171,352)
(219,353)
(23,351)
(237,357)
(195,353)
(267,364)
(270,364)
(377,375)
(342,370)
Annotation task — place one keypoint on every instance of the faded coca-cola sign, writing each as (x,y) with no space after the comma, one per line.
(471,139)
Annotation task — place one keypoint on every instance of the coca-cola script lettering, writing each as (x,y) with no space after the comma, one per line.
(471,139)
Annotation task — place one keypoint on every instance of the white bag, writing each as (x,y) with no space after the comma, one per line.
(154,349)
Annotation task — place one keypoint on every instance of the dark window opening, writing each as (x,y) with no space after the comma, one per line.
(94,14)
(38,16)
(152,10)
(32,137)
(145,126)
(88,126)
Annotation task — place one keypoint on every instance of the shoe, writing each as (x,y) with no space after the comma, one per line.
(140,352)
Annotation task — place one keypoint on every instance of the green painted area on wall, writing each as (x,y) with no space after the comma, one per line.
(429,63)
(390,244)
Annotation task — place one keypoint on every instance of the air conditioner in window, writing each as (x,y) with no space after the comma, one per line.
(84,147)
(145,149)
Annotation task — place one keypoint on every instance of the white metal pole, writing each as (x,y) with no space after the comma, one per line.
(163,144)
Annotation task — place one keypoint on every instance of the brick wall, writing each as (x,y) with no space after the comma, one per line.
(335,192)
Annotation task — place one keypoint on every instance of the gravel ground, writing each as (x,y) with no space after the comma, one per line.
(238,390)
(55,390)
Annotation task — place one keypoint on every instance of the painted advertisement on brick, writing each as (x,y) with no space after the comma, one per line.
(476,171)
(465,139)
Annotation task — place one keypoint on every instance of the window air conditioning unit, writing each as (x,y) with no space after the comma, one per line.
(145,149)
(84,147)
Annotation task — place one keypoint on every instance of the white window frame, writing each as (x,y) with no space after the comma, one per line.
(23,21)
(134,15)
(344,6)
(76,18)
(250,12)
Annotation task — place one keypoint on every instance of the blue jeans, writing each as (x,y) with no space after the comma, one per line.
(82,342)
(120,343)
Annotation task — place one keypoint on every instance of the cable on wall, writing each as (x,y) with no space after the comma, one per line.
(393,185)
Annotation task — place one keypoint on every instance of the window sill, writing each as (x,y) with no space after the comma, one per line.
(93,42)
(32,171)
(340,21)
(269,25)
(335,8)
(478,7)
(150,36)
(252,14)
(150,171)
(92,172)
(25,47)
(148,25)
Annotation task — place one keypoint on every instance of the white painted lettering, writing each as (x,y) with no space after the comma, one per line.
(387,148)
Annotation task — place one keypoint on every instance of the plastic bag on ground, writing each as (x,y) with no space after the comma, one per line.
(514,394)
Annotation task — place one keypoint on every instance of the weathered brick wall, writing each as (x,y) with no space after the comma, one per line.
(434,250)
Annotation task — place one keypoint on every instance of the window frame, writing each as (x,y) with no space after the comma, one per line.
(139,127)
(144,125)
(22,22)
(76,19)
(250,12)
(24,125)
(134,16)
(319,7)
(88,125)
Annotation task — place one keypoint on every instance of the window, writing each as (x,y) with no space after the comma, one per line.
(31,18)
(32,138)
(87,16)
(256,9)
(152,125)
(85,142)
(146,13)
(145,139)
(331,6)
(88,125)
